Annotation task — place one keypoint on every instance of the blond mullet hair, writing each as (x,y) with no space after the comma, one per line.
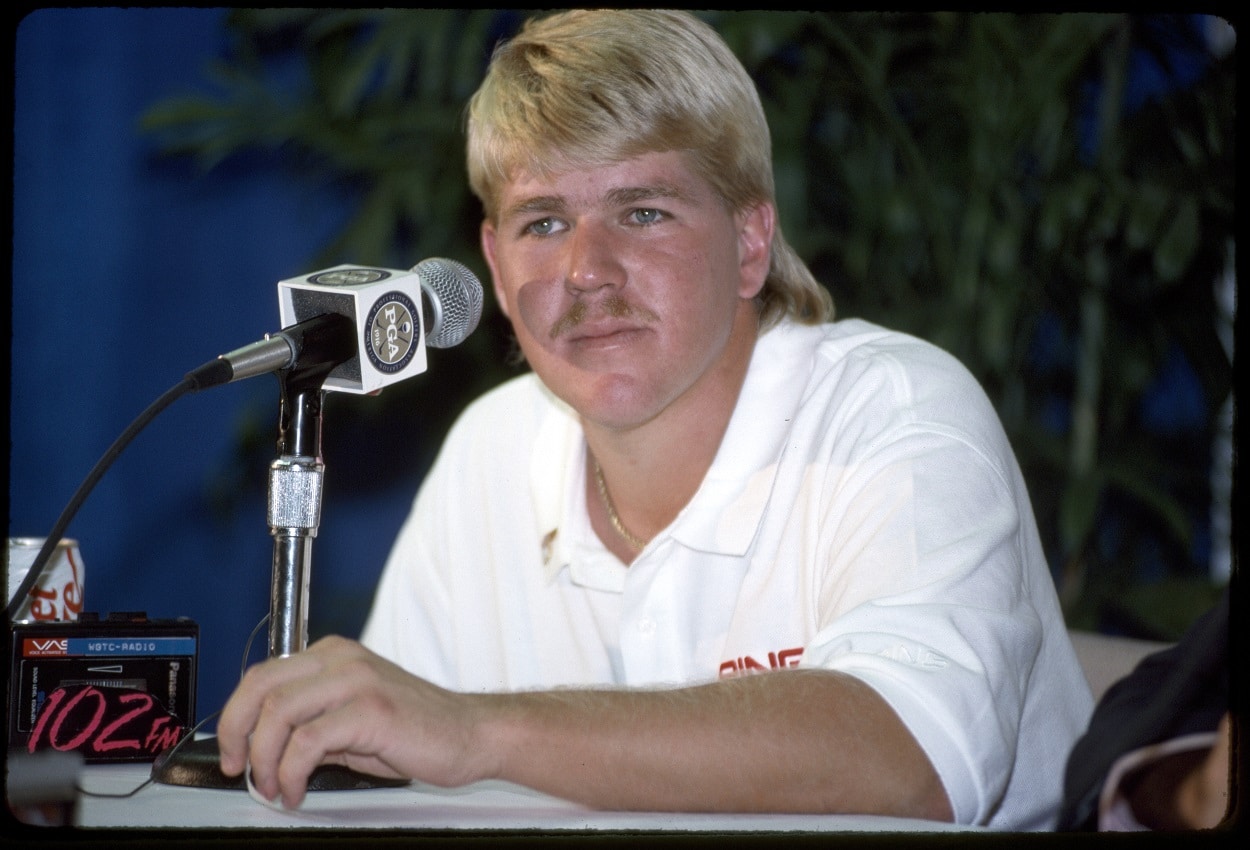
(587,88)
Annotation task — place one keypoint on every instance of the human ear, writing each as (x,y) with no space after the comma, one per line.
(756,225)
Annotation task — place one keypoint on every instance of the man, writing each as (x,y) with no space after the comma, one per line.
(715,552)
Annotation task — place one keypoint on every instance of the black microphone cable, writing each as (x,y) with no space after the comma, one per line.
(187,385)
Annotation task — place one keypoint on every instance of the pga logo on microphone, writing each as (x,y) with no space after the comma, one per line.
(386,307)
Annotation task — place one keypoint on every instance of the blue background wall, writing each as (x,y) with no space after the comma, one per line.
(129,270)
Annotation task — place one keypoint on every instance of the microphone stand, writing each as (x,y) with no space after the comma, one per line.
(294,504)
(295,480)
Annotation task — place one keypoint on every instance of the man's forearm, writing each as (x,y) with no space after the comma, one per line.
(797,740)
(787,740)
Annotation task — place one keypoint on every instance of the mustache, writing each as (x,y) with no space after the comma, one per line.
(614,306)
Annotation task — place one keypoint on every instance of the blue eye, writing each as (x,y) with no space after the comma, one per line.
(647,216)
(542,227)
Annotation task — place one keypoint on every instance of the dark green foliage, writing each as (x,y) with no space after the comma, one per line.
(975,179)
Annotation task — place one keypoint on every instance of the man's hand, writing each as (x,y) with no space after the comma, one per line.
(337,702)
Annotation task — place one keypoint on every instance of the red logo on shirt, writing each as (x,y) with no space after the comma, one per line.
(746,665)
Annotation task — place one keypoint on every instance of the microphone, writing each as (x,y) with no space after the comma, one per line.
(371,325)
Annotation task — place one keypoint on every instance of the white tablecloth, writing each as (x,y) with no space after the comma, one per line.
(482,806)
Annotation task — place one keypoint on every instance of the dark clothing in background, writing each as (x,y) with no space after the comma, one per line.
(1178,691)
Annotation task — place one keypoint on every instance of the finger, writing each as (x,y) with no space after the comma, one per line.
(238,719)
(284,714)
(239,716)
(341,735)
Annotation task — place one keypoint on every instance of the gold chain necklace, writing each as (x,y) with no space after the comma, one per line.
(617,525)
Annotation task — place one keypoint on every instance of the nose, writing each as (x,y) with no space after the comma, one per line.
(592,262)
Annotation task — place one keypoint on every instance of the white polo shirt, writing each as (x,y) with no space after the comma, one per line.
(864,513)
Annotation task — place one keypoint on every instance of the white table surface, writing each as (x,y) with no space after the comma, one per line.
(482,806)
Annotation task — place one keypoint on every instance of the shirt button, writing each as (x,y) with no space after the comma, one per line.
(646,627)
